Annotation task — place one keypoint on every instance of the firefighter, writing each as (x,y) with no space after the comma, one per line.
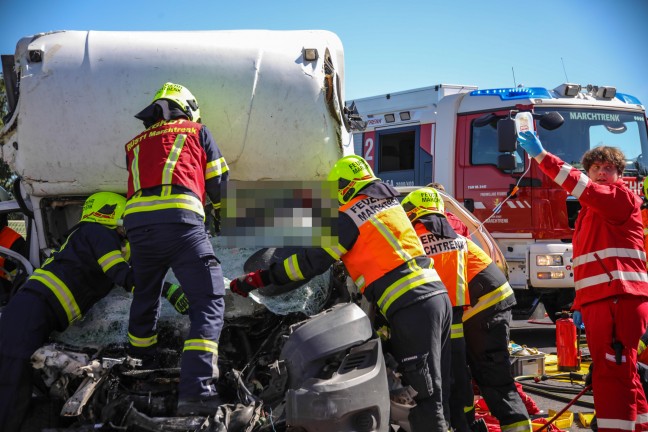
(9,239)
(610,277)
(383,255)
(172,166)
(425,209)
(74,278)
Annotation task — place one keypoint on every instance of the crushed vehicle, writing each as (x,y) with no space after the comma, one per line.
(305,360)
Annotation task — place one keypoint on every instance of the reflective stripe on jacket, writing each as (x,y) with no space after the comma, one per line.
(489,289)
(81,272)
(386,238)
(609,255)
(170,153)
(450,257)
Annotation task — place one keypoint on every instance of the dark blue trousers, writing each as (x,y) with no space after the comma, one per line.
(422,330)
(487,339)
(25,325)
(187,251)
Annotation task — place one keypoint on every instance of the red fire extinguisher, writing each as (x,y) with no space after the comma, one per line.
(567,344)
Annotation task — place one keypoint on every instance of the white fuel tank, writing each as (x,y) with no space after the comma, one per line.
(274,111)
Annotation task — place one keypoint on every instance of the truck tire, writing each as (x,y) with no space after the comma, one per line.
(557,300)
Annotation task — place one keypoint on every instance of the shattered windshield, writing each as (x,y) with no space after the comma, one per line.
(585,129)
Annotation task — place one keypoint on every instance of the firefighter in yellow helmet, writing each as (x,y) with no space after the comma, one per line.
(482,299)
(384,257)
(426,210)
(83,271)
(69,282)
(173,166)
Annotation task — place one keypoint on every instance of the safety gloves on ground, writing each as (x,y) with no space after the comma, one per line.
(176,297)
(578,320)
(243,285)
(530,143)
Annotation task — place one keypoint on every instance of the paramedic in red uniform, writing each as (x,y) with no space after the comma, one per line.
(610,277)
(425,209)
(383,255)
(172,166)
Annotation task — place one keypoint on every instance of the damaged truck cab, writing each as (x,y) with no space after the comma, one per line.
(273,100)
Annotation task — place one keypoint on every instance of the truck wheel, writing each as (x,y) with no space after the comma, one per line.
(557,300)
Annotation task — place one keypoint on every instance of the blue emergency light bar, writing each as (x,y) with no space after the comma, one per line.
(629,99)
(515,93)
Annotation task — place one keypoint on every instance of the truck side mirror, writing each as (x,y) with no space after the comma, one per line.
(485,120)
(506,162)
(551,120)
(506,135)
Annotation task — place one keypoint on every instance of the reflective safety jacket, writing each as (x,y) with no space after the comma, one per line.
(379,249)
(490,292)
(10,239)
(172,166)
(609,255)
(450,254)
(81,272)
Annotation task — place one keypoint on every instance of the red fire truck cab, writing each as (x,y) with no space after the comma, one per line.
(448,134)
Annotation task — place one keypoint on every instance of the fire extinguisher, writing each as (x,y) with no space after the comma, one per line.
(567,344)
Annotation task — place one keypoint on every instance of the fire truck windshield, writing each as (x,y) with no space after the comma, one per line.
(585,129)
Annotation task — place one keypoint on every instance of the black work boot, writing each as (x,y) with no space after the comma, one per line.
(198,407)
(479,425)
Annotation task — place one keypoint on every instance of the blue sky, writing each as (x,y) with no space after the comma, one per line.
(398,45)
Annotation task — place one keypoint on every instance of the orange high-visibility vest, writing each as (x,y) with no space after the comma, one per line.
(386,239)
(450,258)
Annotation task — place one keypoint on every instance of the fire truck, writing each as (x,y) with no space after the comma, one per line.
(463,137)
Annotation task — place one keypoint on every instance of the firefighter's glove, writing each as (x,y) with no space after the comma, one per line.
(530,143)
(578,320)
(244,285)
(176,297)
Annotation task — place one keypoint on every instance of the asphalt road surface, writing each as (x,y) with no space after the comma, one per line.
(540,333)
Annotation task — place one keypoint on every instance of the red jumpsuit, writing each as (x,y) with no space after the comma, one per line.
(611,291)
(644,220)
